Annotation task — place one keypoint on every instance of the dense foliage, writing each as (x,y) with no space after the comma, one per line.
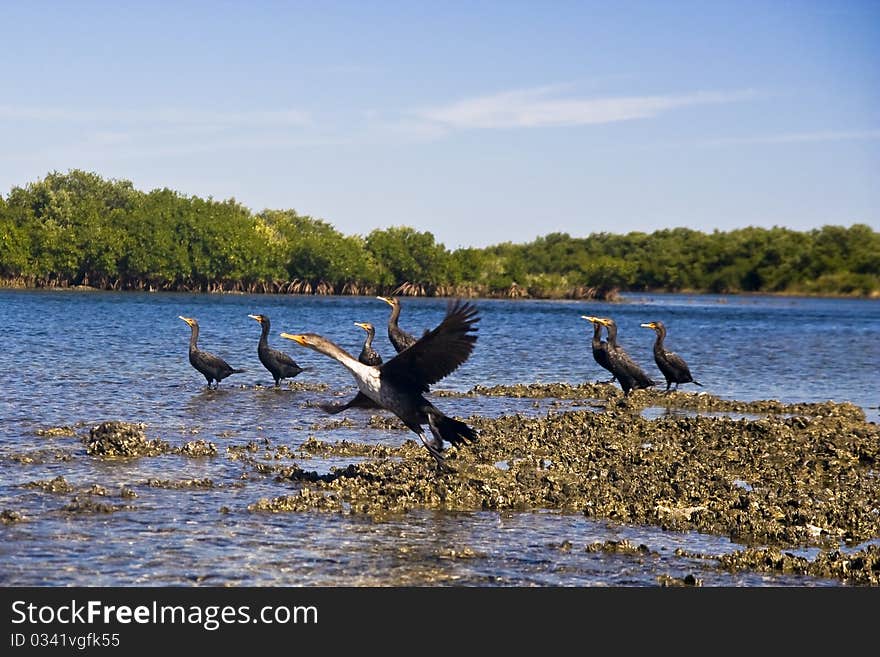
(79,229)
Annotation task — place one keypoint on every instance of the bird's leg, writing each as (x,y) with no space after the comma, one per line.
(435,448)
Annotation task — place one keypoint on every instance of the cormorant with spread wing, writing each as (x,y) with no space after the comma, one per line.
(279,364)
(399,338)
(399,384)
(628,373)
(673,366)
(600,347)
(212,367)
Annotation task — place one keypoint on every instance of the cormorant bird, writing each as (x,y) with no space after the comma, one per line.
(212,367)
(398,385)
(277,362)
(368,355)
(399,338)
(673,366)
(629,375)
(600,347)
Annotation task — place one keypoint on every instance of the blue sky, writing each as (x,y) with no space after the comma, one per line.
(481,122)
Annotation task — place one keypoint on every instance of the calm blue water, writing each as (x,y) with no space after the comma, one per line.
(73,357)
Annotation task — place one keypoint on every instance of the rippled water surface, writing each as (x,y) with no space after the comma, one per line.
(78,358)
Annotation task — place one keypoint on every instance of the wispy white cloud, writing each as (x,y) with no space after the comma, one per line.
(543,107)
(169,116)
(797,137)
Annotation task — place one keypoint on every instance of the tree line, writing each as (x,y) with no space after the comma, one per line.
(77,228)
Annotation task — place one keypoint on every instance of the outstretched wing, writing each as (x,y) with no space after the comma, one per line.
(438,352)
(360,400)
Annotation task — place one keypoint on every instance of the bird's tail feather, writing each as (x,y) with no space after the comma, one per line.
(697,383)
(238,371)
(453,431)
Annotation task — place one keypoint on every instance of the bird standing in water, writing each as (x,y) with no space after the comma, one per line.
(600,347)
(399,384)
(628,373)
(399,338)
(212,367)
(279,364)
(673,366)
(368,355)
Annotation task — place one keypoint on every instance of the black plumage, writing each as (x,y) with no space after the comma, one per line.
(399,384)
(212,367)
(368,355)
(623,367)
(600,347)
(674,368)
(279,364)
(399,338)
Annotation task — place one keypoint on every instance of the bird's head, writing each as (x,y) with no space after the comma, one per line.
(654,326)
(391,301)
(310,340)
(594,320)
(366,326)
(189,320)
(262,319)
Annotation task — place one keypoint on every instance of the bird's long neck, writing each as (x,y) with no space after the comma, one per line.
(612,336)
(264,334)
(337,353)
(395,314)
(369,341)
(597,336)
(661,335)
(194,338)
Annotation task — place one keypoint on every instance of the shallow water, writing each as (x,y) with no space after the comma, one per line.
(78,358)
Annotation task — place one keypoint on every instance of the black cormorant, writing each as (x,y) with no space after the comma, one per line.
(277,362)
(399,338)
(398,385)
(212,367)
(628,373)
(673,366)
(368,355)
(600,347)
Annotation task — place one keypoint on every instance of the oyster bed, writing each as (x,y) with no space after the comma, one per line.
(799,475)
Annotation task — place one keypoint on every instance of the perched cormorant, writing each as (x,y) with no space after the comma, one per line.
(600,347)
(212,367)
(398,385)
(368,355)
(628,374)
(277,362)
(671,364)
(399,338)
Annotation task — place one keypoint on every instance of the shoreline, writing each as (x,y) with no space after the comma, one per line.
(5,285)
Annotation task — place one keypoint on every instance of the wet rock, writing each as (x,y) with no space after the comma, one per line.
(39,456)
(86,504)
(333,424)
(116,438)
(687,580)
(197,448)
(343,448)
(618,547)
(186,483)
(8,516)
(57,485)
(55,432)
(860,568)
